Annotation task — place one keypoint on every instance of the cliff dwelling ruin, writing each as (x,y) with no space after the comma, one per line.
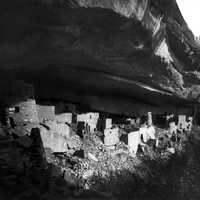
(99,99)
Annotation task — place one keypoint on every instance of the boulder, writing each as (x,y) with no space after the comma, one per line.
(70,178)
(92,157)
(25,141)
(87,174)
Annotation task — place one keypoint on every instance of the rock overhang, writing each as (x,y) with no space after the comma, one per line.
(94,48)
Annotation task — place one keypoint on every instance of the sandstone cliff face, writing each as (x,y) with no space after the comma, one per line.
(78,50)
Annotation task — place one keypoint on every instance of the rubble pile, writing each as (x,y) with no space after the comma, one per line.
(25,173)
(95,161)
(88,168)
(71,155)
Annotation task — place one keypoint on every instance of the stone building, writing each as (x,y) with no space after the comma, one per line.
(134,141)
(17,97)
(90,119)
(46,113)
(111,136)
(64,118)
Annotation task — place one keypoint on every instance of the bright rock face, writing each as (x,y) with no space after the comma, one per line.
(163,52)
(128,8)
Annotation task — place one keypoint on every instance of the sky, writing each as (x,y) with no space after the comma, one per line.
(190,10)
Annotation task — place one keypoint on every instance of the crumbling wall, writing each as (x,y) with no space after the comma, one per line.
(46,112)
(54,141)
(89,118)
(18,97)
(55,136)
(64,118)
(111,136)
(27,112)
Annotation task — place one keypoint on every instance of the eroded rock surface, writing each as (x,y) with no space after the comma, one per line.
(81,50)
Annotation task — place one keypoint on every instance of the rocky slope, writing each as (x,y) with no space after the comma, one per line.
(96,52)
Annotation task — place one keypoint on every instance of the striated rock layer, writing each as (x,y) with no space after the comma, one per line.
(93,52)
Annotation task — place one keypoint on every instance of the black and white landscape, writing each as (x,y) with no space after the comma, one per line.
(99,99)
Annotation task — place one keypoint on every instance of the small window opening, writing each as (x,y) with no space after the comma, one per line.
(17,109)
